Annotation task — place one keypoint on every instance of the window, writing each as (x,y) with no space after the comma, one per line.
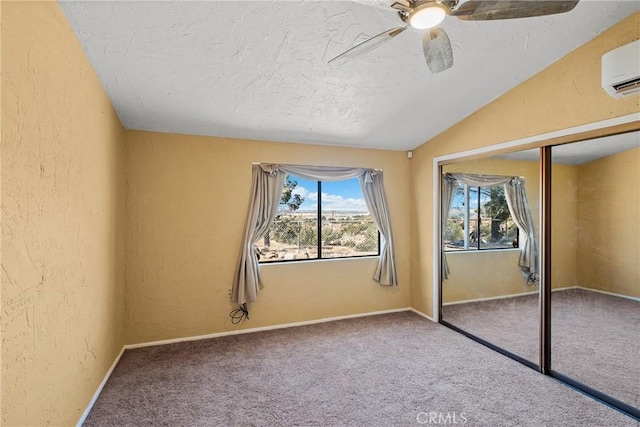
(320,220)
(479,219)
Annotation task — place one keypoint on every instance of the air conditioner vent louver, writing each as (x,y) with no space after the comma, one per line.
(628,88)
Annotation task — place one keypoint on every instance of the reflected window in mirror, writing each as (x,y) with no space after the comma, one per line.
(479,219)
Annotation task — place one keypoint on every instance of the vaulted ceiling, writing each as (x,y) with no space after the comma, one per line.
(258,69)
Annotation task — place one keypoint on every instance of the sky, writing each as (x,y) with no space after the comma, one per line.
(458,198)
(345,196)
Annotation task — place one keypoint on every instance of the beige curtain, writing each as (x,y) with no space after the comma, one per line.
(266,190)
(373,189)
(519,207)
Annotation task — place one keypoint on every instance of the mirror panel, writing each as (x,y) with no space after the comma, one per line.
(595,302)
(486,293)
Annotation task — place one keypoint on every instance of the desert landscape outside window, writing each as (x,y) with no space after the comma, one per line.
(320,220)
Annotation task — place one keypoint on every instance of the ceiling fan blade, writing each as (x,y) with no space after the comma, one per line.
(367,45)
(479,10)
(437,50)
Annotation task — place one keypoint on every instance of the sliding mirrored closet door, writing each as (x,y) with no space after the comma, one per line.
(595,268)
(540,258)
(489,288)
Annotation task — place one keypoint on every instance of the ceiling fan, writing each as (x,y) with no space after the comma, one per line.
(427,14)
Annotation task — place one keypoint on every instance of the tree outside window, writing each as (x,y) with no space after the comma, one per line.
(479,219)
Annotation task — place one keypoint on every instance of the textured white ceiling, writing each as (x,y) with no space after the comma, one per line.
(258,70)
(581,152)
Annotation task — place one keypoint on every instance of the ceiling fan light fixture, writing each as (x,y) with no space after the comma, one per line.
(427,15)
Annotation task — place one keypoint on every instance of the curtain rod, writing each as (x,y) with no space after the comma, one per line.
(271,163)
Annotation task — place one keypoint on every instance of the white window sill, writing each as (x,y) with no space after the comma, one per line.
(481,251)
(306,261)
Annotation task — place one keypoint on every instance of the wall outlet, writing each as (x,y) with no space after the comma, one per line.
(229,292)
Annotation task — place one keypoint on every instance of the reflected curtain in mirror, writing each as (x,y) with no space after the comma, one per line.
(521,214)
(449,185)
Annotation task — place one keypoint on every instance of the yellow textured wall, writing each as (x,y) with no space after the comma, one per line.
(564,95)
(62,217)
(609,224)
(187,204)
(564,225)
(484,274)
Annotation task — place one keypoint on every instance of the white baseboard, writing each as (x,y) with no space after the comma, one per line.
(466,301)
(99,390)
(222,334)
(421,314)
(535,292)
(308,322)
(608,293)
(505,296)
(264,328)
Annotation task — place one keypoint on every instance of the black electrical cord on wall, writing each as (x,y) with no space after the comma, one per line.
(533,279)
(239,314)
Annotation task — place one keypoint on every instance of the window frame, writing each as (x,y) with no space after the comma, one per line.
(319,243)
(467,219)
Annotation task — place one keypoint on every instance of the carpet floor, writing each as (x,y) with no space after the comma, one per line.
(594,337)
(396,369)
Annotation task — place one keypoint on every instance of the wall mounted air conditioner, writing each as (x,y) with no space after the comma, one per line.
(621,70)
